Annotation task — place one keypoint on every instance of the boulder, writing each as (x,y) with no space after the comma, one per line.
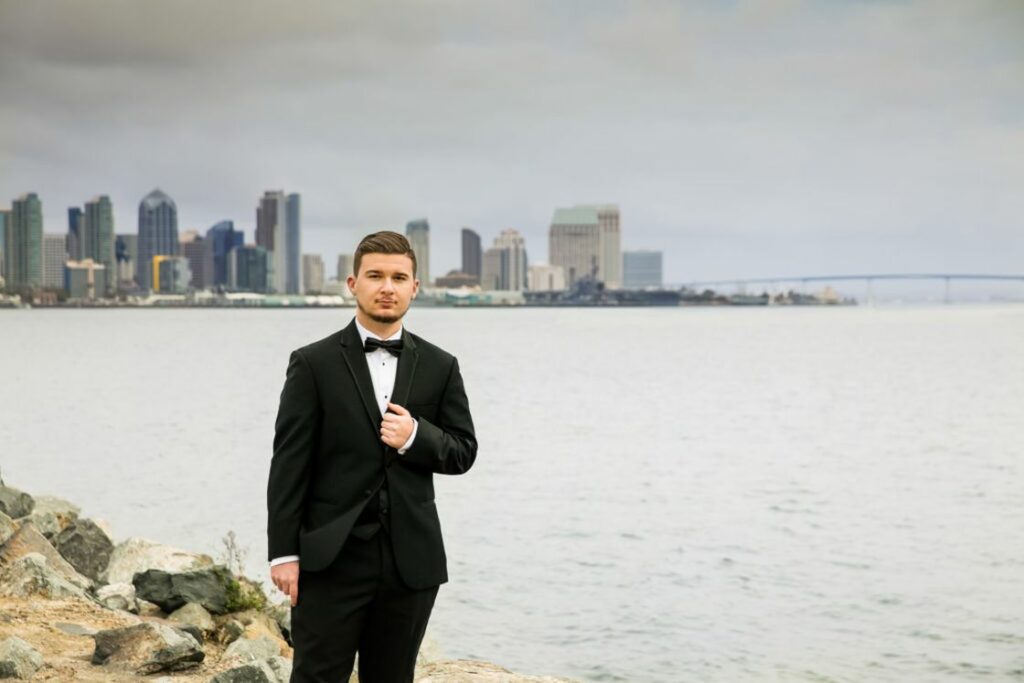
(208,587)
(232,631)
(15,503)
(52,515)
(247,651)
(282,614)
(270,670)
(85,546)
(147,648)
(7,528)
(136,555)
(119,596)
(18,659)
(196,615)
(31,575)
(26,540)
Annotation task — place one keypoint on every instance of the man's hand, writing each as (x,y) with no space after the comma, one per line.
(286,577)
(396,427)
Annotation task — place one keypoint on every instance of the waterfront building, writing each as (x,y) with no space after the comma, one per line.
(278,231)
(585,241)
(418,232)
(642,268)
(220,239)
(193,248)
(126,255)
(171,274)
(158,233)
(293,243)
(456,279)
(346,264)
(504,264)
(24,252)
(85,279)
(74,238)
(544,277)
(312,273)
(490,277)
(250,269)
(472,253)
(54,256)
(96,237)
(5,219)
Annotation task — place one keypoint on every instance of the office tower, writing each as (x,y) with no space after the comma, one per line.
(171,274)
(641,268)
(96,236)
(312,273)
(418,232)
(472,254)
(490,277)
(193,248)
(346,264)
(5,219)
(158,233)
(546,278)
(85,279)
(586,241)
(220,240)
(278,227)
(513,273)
(74,240)
(250,269)
(24,253)
(54,256)
(293,245)
(126,254)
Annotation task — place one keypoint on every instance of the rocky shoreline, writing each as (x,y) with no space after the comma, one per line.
(75,606)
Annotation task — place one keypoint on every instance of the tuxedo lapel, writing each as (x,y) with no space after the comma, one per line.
(355,359)
(403,381)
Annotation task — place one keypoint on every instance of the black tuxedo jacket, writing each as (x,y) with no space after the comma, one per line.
(329,460)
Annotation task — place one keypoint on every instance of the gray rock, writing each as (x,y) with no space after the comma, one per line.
(8,527)
(233,630)
(246,650)
(15,503)
(52,515)
(256,672)
(26,540)
(18,659)
(282,667)
(119,596)
(207,587)
(75,629)
(196,615)
(136,555)
(85,546)
(31,575)
(147,648)
(282,614)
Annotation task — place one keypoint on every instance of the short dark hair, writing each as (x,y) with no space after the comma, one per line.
(383,242)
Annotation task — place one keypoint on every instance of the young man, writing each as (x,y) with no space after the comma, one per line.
(367,416)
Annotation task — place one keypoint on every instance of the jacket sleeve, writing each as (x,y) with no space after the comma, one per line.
(448,447)
(295,435)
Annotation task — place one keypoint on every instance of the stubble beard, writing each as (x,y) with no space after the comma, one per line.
(384,319)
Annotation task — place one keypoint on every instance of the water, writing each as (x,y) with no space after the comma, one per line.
(660,495)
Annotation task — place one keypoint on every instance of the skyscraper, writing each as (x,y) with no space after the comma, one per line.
(312,273)
(249,269)
(158,233)
(24,253)
(293,245)
(74,240)
(96,235)
(513,262)
(418,232)
(472,255)
(54,256)
(5,220)
(278,230)
(193,248)
(220,240)
(610,261)
(641,268)
(345,266)
(126,252)
(586,241)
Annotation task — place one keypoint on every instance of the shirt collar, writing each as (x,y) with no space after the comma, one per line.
(364,333)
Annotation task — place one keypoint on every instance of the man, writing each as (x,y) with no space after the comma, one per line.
(367,416)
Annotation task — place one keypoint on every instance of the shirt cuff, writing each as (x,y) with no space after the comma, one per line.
(412,437)
(281,560)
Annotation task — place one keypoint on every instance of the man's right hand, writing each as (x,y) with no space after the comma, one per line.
(286,577)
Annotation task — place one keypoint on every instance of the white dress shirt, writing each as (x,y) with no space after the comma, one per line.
(383,367)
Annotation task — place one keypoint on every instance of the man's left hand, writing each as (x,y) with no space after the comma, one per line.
(396,428)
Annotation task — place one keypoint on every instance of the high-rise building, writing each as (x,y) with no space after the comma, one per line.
(171,274)
(5,219)
(85,279)
(546,278)
(250,269)
(24,253)
(513,275)
(293,245)
(220,240)
(490,277)
(96,235)
(74,240)
(472,254)
(586,241)
(641,268)
(54,256)
(312,273)
(278,230)
(418,232)
(126,253)
(346,266)
(158,233)
(193,248)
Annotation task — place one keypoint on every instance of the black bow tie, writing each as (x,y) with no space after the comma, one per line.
(393,346)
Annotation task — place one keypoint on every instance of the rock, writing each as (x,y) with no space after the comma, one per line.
(232,631)
(8,527)
(75,629)
(270,670)
(26,540)
(259,624)
(119,596)
(247,651)
(282,614)
(52,515)
(282,667)
(208,587)
(136,555)
(195,615)
(85,546)
(464,670)
(148,609)
(15,503)
(18,659)
(31,575)
(147,648)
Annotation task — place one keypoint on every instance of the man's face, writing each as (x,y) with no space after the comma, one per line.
(384,286)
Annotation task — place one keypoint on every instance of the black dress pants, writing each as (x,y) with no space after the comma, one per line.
(358,604)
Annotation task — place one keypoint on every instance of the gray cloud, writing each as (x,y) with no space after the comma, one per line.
(743,138)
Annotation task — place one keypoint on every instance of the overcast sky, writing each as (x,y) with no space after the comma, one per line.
(742,138)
